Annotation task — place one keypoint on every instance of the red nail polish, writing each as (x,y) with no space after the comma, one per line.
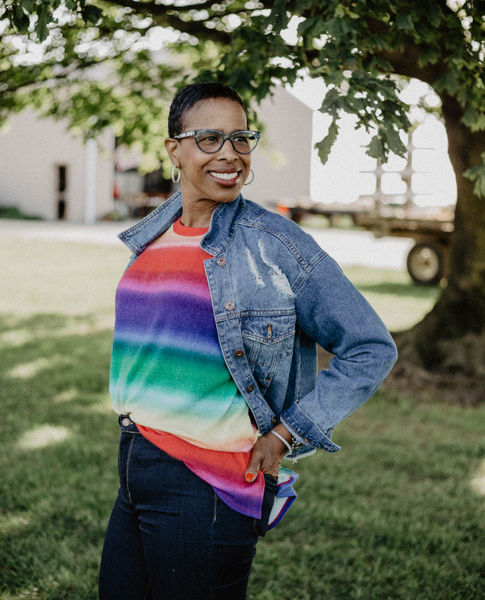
(249,477)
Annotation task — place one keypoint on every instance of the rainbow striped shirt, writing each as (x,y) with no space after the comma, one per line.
(168,373)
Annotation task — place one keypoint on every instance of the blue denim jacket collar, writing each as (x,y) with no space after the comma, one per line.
(138,237)
(221,231)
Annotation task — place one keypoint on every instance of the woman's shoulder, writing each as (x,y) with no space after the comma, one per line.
(280,228)
(265,219)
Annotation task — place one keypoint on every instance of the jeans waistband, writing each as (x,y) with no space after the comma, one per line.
(126,423)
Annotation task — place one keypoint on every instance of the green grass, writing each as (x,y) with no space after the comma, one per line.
(399,302)
(394,515)
(59,277)
(12,212)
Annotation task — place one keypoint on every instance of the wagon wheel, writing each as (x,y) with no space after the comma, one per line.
(425,263)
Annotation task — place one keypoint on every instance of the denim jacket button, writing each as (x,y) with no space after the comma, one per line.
(239,353)
(230,306)
(221,261)
(274,421)
(250,388)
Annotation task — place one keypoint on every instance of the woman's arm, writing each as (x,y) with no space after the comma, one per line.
(332,312)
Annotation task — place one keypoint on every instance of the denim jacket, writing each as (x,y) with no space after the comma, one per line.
(275,294)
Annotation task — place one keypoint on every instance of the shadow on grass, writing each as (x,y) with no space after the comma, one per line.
(393,515)
(46,356)
(58,454)
(400,289)
(41,322)
(389,282)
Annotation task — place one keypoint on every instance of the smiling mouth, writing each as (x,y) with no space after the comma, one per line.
(226,178)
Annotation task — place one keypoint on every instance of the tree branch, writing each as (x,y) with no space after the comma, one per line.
(404,62)
(161,15)
(404,59)
(35,81)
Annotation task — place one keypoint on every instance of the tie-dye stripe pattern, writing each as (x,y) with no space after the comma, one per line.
(168,372)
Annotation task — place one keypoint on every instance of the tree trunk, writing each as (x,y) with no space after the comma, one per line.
(452,336)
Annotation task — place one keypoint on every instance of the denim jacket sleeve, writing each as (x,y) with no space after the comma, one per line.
(332,312)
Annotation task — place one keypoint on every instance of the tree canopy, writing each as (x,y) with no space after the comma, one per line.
(93,62)
(357,47)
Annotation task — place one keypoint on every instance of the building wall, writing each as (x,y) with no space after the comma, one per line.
(282,160)
(31,151)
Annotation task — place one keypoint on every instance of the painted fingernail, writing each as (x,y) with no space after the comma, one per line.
(249,477)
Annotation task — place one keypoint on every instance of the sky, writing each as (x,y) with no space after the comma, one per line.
(341,180)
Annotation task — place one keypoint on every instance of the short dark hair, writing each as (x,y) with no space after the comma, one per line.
(191,95)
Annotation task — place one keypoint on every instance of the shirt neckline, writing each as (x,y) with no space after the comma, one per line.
(180,229)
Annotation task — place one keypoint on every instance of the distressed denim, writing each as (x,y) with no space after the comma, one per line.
(170,536)
(275,295)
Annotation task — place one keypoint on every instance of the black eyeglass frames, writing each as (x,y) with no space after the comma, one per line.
(211,140)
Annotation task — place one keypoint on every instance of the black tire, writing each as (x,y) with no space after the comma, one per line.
(425,263)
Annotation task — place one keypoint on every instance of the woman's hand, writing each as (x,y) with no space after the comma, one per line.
(267,454)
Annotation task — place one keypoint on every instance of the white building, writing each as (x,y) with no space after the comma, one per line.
(282,162)
(48,173)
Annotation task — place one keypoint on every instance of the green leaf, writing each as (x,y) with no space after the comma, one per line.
(331,103)
(325,146)
(434,14)
(378,41)
(340,11)
(346,28)
(382,64)
(27,5)
(18,19)
(479,124)
(335,78)
(470,117)
(430,55)
(376,147)
(394,142)
(449,81)
(334,28)
(278,17)
(307,25)
(477,174)
(405,23)
(474,119)
(44,17)
(479,187)
(92,14)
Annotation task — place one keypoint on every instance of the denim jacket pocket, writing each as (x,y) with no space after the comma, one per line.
(267,339)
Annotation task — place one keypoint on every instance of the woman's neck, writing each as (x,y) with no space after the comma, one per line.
(197,214)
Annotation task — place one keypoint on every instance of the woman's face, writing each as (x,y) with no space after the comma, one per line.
(218,176)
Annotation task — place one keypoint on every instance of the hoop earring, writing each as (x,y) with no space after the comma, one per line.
(252,178)
(173,174)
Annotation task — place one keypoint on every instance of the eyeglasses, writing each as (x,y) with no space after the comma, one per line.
(211,140)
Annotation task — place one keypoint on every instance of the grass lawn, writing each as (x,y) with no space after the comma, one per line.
(397,514)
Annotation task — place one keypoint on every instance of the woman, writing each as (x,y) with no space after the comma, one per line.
(214,366)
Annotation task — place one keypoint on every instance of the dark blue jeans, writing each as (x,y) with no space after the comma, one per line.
(170,537)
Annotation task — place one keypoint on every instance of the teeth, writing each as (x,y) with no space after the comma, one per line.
(225,176)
